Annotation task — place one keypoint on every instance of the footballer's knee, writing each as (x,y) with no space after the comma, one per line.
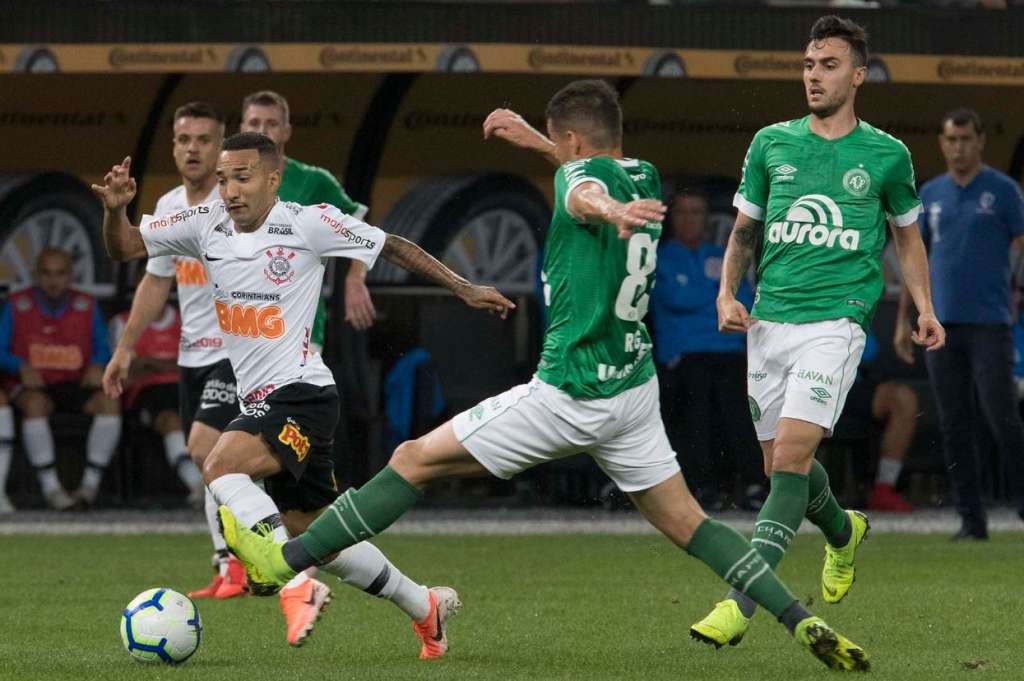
(34,403)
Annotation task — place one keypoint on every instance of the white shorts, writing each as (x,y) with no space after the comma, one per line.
(801,371)
(536,422)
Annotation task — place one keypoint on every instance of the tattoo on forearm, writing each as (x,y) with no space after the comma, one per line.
(411,257)
(739,253)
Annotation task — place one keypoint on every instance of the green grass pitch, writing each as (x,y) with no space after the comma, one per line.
(546,607)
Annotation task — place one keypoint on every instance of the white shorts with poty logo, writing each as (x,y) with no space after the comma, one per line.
(801,371)
(536,422)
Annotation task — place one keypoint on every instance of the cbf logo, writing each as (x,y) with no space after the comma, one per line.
(279,269)
(857,181)
(816,219)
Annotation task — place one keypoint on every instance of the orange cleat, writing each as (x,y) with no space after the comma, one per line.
(233,583)
(208,591)
(432,631)
(302,606)
(885,498)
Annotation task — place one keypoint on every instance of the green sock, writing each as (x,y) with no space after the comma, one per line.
(725,551)
(824,511)
(780,516)
(359,514)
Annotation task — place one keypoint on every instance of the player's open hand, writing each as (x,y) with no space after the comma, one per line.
(118,188)
(487,298)
(359,309)
(116,374)
(636,214)
(508,125)
(930,335)
(733,316)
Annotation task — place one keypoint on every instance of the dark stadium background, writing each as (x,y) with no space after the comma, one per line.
(390,97)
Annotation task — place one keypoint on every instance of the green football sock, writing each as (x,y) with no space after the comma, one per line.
(780,516)
(824,511)
(359,514)
(725,551)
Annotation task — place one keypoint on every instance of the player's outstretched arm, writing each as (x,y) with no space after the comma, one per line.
(739,253)
(409,256)
(590,203)
(914,266)
(508,125)
(150,298)
(121,238)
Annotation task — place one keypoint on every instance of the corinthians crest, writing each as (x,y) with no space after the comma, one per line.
(279,267)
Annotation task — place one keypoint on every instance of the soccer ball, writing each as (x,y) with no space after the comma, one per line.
(161,625)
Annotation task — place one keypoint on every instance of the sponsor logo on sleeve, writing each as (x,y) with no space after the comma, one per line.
(339,228)
(169,220)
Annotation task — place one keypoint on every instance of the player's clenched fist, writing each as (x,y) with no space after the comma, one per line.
(487,298)
(930,335)
(118,188)
(732,316)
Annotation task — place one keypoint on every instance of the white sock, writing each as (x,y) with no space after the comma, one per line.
(39,450)
(363,566)
(888,471)
(99,450)
(211,520)
(301,578)
(6,444)
(249,503)
(177,455)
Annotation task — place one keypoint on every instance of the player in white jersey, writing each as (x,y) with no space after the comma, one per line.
(265,262)
(206,392)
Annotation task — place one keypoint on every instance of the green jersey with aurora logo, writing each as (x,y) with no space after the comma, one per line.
(825,205)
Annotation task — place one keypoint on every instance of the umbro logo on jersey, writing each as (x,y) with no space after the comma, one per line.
(785,173)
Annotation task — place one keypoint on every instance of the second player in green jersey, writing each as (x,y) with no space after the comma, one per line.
(825,204)
(597,286)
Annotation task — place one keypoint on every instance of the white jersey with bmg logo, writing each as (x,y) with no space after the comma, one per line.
(201,340)
(266,283)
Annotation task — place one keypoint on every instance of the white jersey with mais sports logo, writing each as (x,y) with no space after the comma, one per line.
(201,342)
(266,283)
(825,205)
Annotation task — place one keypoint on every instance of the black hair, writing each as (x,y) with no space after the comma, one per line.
(964,116)
(590,108)
(831,26)
(254,140)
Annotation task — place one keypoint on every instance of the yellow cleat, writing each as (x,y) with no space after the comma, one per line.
(838,574)
(265,567)
(724,624)
(832,648)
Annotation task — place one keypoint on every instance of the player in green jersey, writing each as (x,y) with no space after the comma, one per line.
(268,112)
(822,190)
(595,389)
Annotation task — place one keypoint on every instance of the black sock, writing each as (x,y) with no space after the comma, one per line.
(296,555)
(794,615)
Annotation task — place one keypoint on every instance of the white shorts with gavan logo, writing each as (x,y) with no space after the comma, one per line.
(801,371)
(536,422)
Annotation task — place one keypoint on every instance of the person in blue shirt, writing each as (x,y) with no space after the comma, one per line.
(702,371)
(973,214)
(53,346)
